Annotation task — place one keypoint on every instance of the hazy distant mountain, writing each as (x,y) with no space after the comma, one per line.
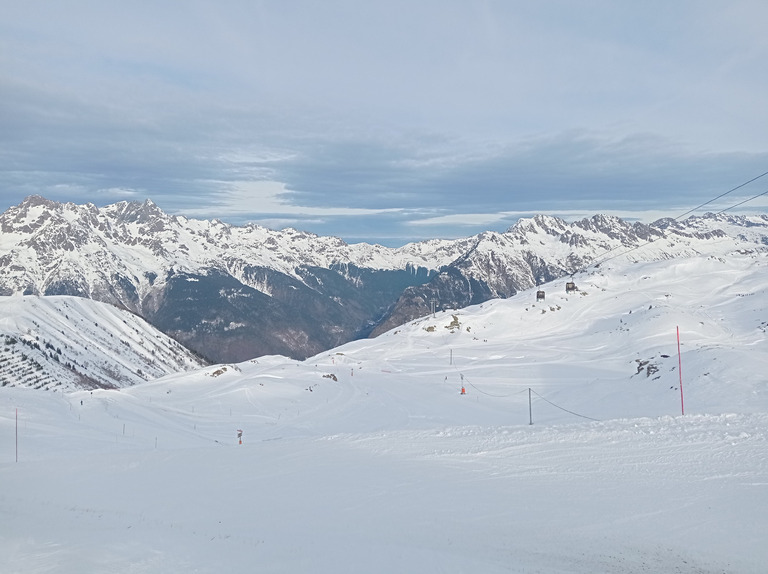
(231,293)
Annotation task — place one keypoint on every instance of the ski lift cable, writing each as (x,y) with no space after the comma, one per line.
(743,202)
(722,195)
(464,379)
(495,396)
(562,409)
(471,384)
(602,258)
(630,250)
(644,244)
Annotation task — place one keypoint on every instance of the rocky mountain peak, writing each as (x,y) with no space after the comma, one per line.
(232,293)
(547,224)
(125,212)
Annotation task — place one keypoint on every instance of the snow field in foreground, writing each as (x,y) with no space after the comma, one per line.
(367,458)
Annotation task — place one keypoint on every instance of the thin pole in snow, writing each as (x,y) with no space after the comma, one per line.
(17,435)
(530,410)
(680,371)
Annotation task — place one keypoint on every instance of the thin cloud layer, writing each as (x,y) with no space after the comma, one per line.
(384,122)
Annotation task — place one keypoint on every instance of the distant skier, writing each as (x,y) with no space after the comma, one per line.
(463,390)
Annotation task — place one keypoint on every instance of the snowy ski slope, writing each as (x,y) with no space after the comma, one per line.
(368,458)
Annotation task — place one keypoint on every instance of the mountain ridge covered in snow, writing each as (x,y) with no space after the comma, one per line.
(567,452)
(231,293)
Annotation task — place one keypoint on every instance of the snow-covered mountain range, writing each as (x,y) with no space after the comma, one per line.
(568,451)
(231,293)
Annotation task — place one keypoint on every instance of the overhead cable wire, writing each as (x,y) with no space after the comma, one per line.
(745,201)
(722,195)
(494,396)
(651,241)
(464,379)
(601,258)
(561,408)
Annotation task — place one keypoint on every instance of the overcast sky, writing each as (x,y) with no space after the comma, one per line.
(386,121)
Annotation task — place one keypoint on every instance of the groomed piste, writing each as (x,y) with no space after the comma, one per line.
(573,448)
